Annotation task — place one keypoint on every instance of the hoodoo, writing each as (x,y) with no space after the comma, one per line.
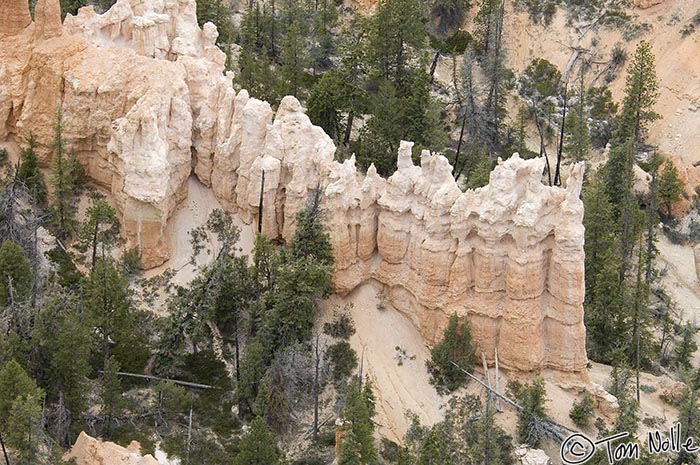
(146,102)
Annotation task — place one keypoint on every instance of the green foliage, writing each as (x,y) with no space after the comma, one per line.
(582,412)
(311,238)
(686,347)
(67,179)
(15,274)
(108,304)
(344,360)
(468,434)
(541,11)
(20,407)
(578,135)
(272,402)
(111,391)
(253,368)
(67,274)
(325,103)
(71,6)
(622,387)
(130,262)
(29,172)
(531,397)
(358,442)
(257,447)
(456,346)
(99,229)
(64,345)
(450,13)
(343,326)
(670,186)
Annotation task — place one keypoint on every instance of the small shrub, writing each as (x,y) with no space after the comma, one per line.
(343,326)
(456,346)
(532,398)
(582,412)
(687,30)
(344,360)
(131,262)
(327,438)
(647,388)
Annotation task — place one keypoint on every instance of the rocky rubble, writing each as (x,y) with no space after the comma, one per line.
(146,102)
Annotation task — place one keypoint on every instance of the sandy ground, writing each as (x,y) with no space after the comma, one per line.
(192,213)
(677,266)
(399,388)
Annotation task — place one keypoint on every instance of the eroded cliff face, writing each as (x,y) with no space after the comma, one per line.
(146,102)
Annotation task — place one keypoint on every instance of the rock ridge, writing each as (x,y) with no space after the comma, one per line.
(146,102)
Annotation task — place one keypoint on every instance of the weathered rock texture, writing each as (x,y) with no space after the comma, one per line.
(90,451)
(145,103)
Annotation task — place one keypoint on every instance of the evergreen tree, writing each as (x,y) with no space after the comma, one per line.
(253,367)
(99,228)
(605,317)
(294,53)
(15,274)
(64,351)
(689,415)
(686,347)
(29,171)
(670,187)
(456,346)
(350,450)
(111,392)
(311,238)
(489,40)
(109,307)
(258,446)
(532,398)
(578,138)
(20,409)
(358,412)
(66,179)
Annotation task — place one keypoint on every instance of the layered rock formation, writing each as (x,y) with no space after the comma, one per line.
(90,451)
(146,102)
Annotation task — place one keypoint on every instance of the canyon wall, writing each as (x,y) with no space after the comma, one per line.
(146,102)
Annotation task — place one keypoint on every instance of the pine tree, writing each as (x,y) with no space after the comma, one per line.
(29,171)
(258,446)
(99,228)
(311,238)
(20,409)
(15,274)
(109,307)
(111,392)
(455,346)
(359,410)
(605,317)
(578,139)
(686,347)
(67,178)
(64,351)
(670,187)
(532,398)
(294,54)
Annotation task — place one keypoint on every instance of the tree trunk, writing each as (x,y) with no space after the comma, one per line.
(557,176)
(433,65)
(316,389)
(348,129)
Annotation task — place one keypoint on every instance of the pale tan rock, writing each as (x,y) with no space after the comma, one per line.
(91,451)
(14,16)
(643,4)
(529,456)
(146,104)
(47,16)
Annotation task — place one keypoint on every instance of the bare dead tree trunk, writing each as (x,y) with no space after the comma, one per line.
(433,65)
(557,176)
(317,362)
(260,203)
